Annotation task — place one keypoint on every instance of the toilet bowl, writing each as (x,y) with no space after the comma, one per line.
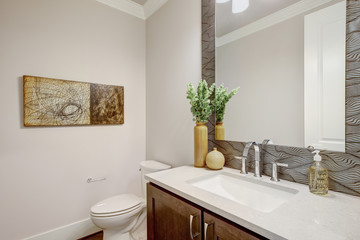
(121,214)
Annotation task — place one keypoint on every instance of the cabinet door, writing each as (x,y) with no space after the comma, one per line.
(170,218)
(216,228)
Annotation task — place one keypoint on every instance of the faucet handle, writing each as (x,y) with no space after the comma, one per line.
(282,164)
(243,164)
(267,141)
(274,175)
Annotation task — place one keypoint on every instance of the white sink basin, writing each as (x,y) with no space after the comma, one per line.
(259,195)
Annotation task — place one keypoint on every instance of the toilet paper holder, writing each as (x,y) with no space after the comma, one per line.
(91,180)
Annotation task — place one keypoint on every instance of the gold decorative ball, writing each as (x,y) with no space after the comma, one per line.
(215,160)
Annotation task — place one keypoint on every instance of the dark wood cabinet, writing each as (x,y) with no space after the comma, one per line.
(170,217)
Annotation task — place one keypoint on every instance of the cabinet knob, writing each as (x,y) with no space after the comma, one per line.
(191,224)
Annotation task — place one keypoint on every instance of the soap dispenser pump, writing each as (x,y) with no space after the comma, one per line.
(318,176)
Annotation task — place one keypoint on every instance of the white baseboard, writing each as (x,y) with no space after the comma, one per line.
(68,232)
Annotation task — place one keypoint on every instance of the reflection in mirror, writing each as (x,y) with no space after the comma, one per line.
(288,57)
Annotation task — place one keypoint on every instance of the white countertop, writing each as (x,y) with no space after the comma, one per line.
(305,216)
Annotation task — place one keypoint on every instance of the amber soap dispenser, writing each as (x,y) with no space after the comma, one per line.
(318,176)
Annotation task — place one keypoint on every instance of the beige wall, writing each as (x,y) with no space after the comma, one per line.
(269,68)
(268,65)
(173,59)
(43,171)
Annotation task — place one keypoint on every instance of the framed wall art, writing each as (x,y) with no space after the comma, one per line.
(56,102)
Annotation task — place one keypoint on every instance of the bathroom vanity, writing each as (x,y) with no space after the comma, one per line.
(198,203)
(171,216)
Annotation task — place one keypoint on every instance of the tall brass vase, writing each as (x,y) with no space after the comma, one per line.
(200,144)
(219,131)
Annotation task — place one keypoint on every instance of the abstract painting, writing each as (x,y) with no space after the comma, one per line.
(55,102)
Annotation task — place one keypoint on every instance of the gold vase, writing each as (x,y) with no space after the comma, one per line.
(200,144)
(219,131)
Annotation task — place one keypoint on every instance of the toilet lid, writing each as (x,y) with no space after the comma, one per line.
(118,203)
(153,166)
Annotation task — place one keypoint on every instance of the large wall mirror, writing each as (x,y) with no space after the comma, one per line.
(288,58)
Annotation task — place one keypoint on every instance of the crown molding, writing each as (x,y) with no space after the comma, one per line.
(151,6)
(270,20)
(135,9)
(126,6)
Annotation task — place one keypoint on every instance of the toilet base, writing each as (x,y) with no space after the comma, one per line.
(115,235)
(140,233)
(136,230)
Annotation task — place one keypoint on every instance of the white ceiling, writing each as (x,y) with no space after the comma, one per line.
(226,21)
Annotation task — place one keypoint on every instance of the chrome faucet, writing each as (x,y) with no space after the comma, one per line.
(243,164)
(274,175)
(257,156)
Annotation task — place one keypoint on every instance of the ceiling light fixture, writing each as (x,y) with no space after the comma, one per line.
(239,5)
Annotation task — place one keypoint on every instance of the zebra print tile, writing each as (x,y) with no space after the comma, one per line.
(344,168)
(208,53)
(208,40)
(352,77)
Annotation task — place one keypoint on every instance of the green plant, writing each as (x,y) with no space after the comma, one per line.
(201,107)
(220,100)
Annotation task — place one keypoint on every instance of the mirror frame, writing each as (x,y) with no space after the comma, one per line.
(344,168)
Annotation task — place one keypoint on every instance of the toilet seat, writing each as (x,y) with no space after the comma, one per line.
(117,205)
(140,206)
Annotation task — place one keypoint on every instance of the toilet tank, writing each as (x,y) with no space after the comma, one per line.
(150,166)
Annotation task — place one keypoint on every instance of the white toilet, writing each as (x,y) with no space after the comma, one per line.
(121,214)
